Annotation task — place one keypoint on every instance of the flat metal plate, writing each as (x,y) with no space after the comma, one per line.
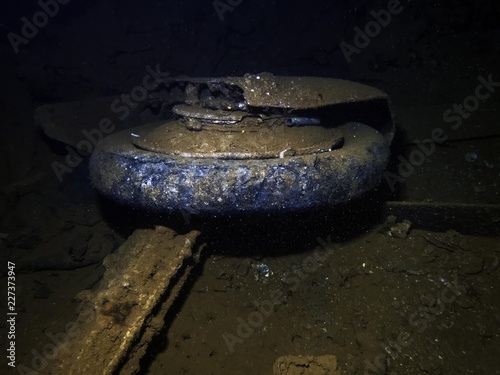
(267,90)
(249,139)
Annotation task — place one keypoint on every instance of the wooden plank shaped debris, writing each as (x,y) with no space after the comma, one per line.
(306,365)
(142,280)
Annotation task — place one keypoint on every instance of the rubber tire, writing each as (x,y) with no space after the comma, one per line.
(163,183)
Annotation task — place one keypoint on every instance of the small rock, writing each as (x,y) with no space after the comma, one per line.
(400,230)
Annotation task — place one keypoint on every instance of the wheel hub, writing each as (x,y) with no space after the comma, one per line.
(252,143)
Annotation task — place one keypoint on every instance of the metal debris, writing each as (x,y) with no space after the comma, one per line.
(142,280)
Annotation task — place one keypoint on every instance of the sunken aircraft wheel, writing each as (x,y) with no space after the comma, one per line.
(253,143)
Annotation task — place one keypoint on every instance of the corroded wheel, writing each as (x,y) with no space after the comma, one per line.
(225,151)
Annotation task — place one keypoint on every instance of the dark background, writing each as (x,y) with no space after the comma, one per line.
(102,46)
(427,58)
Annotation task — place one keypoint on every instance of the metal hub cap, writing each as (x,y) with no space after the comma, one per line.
(206,133)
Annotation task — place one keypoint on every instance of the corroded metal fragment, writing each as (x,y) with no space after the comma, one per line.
(213,116)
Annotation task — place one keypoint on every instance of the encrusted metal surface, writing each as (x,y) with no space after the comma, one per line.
(267,90)
(247,140)
(264,89)
(215,116)
(160,182)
